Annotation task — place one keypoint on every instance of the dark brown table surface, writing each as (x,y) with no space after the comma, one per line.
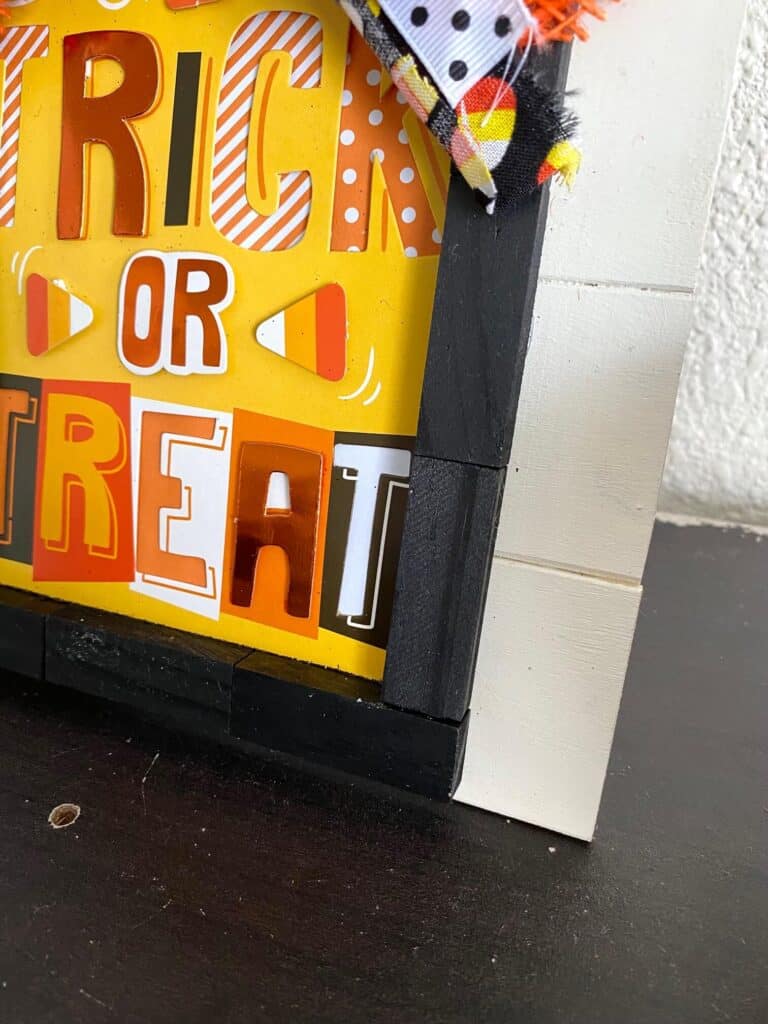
(200,887)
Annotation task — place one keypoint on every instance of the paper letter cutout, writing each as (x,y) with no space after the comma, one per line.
(414,167)
(83,517)
(274,550)
(19,410)
(14,408)
(181,470)
(18,44)
(199,306)
(367,466)
(301,37)
(141,314)
(293,531)
(158,491)
(182,150)
(169,313)
(365,526)
(106,119)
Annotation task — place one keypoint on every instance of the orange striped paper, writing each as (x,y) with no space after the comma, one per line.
(18,44)
(300,36)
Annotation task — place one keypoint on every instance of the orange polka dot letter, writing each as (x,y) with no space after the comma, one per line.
(462,69)
(378,129)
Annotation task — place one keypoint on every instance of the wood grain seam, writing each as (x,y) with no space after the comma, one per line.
(617,579)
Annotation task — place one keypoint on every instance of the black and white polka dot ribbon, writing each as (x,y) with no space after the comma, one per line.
(458,41)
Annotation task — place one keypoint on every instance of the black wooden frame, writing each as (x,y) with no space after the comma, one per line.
(411,731)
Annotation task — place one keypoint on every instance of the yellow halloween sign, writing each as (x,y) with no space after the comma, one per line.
(219,235)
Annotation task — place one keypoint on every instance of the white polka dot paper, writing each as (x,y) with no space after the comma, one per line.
(459,41)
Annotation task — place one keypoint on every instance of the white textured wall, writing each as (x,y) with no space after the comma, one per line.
(718,459)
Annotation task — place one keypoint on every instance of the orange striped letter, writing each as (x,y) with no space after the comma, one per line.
(301,37)
(18,43)
(106,119)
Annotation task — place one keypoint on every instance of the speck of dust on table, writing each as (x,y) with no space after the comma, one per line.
(199,886)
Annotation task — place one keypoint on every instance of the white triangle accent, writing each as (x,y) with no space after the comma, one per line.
(80,315)
(271,334)
(279,493)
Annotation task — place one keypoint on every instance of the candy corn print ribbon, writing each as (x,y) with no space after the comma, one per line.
(462,66)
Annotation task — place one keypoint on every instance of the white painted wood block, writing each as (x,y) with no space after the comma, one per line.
(595,413)
(549,680)
(653,85)
(612,319)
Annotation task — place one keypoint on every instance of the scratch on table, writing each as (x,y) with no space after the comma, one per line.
(144,780)
(144,921)
(95,1000)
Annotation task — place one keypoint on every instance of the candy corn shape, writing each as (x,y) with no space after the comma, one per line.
(311,333)
(489,111)
(53,315)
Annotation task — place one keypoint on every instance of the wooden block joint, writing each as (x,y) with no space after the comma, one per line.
(451,523)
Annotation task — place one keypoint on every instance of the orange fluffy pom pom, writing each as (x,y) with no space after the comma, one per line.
(560,21)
